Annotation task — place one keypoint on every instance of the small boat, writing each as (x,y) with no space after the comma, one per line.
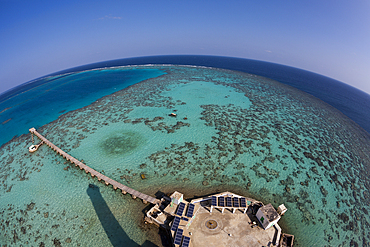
(173,114)
(33,148)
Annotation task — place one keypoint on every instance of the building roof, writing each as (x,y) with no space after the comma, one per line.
(270,212)
(177,195)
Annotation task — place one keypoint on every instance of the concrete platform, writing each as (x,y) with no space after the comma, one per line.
(228,229)
(216,223)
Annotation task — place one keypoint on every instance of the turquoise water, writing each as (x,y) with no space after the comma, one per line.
(233,131)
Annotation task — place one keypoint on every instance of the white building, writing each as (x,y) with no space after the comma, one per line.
(267,216)
(177,197)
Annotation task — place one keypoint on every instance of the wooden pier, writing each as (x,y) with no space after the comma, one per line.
(135,194)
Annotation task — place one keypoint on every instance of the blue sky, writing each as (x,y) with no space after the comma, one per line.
(330,37)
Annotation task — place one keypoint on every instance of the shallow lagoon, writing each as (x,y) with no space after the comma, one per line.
(233,131)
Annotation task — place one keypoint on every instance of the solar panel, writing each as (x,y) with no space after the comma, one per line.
(228,202)
(236,202)
(221,201)
(190,210)
(175,223)
(185,242)
(180,209)
(243,203)
(214,201)
(184,218)
(178,236)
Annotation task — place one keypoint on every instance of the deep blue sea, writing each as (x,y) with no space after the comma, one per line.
(44,100)
(267,131)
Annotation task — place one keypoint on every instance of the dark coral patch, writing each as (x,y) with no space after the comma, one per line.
(122,143)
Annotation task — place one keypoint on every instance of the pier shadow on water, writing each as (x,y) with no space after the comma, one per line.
(112,228)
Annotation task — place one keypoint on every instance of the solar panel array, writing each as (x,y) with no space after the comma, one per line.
(175,223)
(228,202)
(178,236)
(190,210)
(236,202)
(180,209)
(221,201)
(214,201)
(185,242)
(243,204)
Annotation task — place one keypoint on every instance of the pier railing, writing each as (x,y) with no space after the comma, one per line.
(116,185)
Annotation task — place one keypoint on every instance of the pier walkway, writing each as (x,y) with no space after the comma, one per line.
(135,194)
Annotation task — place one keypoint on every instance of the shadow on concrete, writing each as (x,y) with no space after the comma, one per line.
(112,228)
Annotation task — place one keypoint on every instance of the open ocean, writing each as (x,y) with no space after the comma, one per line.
(267,131)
